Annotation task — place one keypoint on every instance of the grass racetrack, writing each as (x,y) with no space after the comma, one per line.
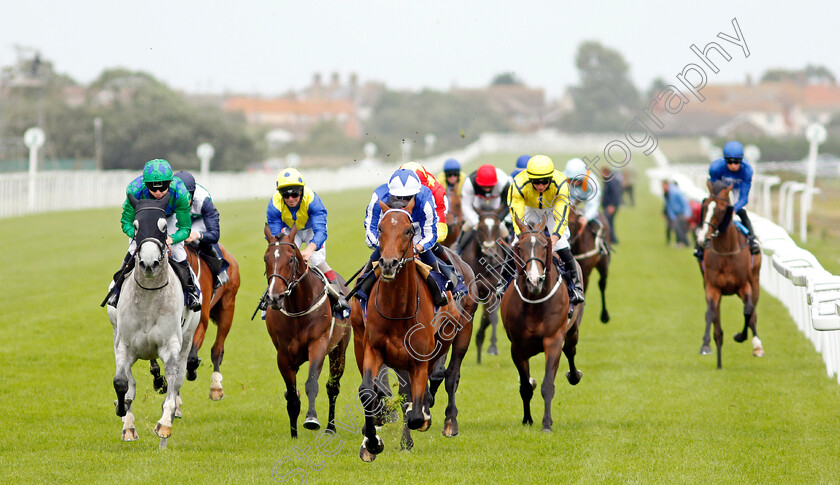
(649,409)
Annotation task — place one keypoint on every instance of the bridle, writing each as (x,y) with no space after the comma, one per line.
(161,244)
(403,259)
(482,244)
(543,262)
(541,278)
(295,280)
(707,221)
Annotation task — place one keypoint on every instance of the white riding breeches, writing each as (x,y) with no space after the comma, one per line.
(302,238)
(534,216)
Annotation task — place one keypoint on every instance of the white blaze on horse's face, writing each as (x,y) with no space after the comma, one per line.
(532,271)
(710,211)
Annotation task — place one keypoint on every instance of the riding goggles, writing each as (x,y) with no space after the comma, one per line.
(452,173)
(732,161)
(287,193)
(158,186)
(542,181)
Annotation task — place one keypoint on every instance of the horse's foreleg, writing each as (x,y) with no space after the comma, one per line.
(750,317)
(416,415)
(436,379)
(570,349)
(317,354)
(706,349)
(217,353)
(197,340)
(526,384)
(553,349)
(125,388)
(713,316)
(372,444)
(482,328)
(603,265)
(453,377)
(494,320)
(291,393)
(175,373)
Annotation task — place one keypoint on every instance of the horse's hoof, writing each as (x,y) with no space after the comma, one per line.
(605,317)
(492,350)
(217,394)
(129,434)
(191,374)
(759,352)
(740,337)
(365,455)
(574,378)
(163,431)
(706,350)
(527,421)
(546,430)
(533,383)
(375,448)
(177,413)
(312,423)
(426,425)
(450,429)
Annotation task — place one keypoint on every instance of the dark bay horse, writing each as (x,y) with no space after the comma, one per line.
(300,322)
(454,218)
(535,314)
(402,331)
(485,253)
(217,305)
(590,245)
(728,268)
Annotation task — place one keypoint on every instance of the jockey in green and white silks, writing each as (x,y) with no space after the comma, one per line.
(156,181)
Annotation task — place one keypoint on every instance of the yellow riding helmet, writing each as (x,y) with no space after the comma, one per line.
(540,166)
(289,177)
(413,166)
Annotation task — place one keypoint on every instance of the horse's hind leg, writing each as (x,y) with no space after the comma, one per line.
(158,380)
(553,349)
(197,340)
(482,328)
(526,384)
(336,371)
(174,362)
(494,320)
(453,378)
(603,265)
(217,353)
(317,354)
(406,442)
(750,318)
(713,316)
(126,388)
(291,393)
(372,443)
(570,349)
(436,379)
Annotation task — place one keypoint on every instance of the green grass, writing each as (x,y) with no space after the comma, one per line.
(648,410)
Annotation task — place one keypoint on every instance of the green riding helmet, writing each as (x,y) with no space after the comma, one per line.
(157,170)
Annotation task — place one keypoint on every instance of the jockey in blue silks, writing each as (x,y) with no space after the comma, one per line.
(733,169)
(403,186)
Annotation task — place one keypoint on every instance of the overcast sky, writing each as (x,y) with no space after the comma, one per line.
(271,46)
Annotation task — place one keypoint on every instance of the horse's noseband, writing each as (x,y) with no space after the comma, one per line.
(290,285)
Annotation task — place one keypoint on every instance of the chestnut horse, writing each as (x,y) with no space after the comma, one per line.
(535,312)
(485,253)
(402,331)
(217,305)
(728,268)
(590,245)
(454,218)
(300,322)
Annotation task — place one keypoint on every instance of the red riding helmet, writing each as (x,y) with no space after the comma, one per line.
(486,176)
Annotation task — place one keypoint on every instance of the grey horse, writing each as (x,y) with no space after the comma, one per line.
(150,320)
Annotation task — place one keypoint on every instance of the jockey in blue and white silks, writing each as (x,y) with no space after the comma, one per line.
(295,204)
(403,186)
(205,230)
(733,169)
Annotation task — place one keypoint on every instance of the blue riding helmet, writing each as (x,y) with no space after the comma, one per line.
(522,161)
(451,165)
(733,149)
(188,179)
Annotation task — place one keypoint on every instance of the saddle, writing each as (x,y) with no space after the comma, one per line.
(424,270)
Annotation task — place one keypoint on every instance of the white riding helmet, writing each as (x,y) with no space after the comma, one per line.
(575,168)
(404,183)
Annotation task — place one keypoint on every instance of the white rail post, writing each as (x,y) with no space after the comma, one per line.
(34,139)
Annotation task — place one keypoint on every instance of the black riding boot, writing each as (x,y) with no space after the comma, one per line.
(114,291)
(745,220)
(571,276)
(193,299)
(439,296)
(340,308)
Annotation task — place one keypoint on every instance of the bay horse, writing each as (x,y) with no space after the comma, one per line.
(402,331)
(150,320)
(486,253)
(301,325)
(454,218)
(728,268)
(535,313)
(218,305)
(590,246)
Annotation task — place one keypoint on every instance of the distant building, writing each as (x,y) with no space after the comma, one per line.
(523,107)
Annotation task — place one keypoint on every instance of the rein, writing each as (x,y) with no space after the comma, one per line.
(161,247)
(291,285)
(402,262)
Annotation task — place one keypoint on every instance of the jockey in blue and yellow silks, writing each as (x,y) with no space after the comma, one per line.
(294,204)
(156,182)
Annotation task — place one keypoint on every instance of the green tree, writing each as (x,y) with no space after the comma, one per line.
(506,78)
(810,74)
(606,97)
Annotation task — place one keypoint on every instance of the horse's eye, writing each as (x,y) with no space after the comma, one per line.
(408,233)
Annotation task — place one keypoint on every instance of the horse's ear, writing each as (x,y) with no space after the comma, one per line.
(709,185)
(519,224)
(541,224)
(383,206)
(292,233)
(268,235)
(501,212)
(132,200)
(410,206)
(727,190)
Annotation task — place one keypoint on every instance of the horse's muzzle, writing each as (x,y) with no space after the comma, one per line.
(389,268)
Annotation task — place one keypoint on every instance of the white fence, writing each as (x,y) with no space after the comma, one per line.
(794,276)
(71,190)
